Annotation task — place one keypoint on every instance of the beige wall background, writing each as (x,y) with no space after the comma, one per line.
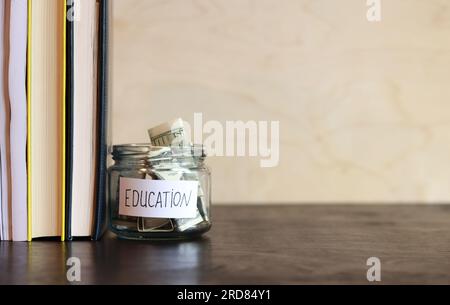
(364,107)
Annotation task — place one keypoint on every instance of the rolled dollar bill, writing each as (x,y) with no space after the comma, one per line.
(169,134)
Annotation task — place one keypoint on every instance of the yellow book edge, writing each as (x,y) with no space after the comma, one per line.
(29,173)
(30,231)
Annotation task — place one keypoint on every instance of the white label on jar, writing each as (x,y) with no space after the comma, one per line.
(158,198)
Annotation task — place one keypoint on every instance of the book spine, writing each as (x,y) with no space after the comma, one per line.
(69,118)
(100,213)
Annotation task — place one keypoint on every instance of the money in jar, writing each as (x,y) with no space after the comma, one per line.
(160,190)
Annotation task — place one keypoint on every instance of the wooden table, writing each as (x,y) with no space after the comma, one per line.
(322,244)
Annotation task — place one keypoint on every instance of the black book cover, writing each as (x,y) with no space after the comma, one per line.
(102,121)
(69,119)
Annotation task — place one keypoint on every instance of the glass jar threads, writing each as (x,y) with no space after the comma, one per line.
(159,192)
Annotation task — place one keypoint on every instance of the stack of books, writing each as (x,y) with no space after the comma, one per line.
(53,98)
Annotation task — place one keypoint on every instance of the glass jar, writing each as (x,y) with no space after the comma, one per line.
(159,192)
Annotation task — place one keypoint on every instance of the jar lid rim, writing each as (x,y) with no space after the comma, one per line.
(131,149)
(156,152)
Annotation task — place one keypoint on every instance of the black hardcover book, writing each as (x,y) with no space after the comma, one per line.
(69,119)
(99,225)
(102,121)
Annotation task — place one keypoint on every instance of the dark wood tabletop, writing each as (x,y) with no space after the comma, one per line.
(308,244)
